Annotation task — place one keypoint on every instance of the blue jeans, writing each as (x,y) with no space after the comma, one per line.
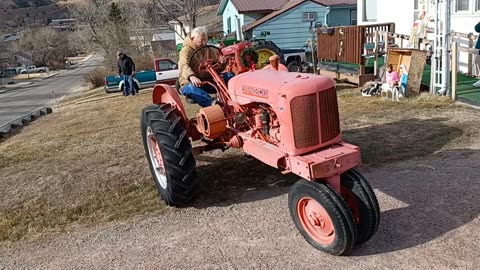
(201,94)
(128,86)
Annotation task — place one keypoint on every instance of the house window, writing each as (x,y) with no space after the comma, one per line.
(353,17)
(229,25)
(309,16)
(462,5)
(477,5)
(369,10)
(416,10)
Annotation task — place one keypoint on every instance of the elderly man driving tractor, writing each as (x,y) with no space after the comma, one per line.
(191,83)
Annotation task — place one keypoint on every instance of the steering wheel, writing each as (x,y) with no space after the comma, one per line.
(203,57)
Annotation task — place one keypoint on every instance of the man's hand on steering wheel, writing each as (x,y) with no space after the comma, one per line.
(195,81)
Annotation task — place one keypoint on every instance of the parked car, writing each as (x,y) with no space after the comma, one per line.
(8,72)
(166,71)
(33,69)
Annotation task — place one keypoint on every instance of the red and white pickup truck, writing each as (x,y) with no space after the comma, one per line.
(166,71)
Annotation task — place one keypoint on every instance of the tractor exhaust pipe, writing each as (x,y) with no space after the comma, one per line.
(274,60)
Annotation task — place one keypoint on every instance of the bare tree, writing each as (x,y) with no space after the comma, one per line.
(166,11)
(95,13)
(5,55)
(44,45)
(112,26)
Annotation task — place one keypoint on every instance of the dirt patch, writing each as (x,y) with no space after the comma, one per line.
(430,219)
(85,164)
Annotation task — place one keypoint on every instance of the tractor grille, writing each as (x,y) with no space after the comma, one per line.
(329,118)
(305,121)
(307,127)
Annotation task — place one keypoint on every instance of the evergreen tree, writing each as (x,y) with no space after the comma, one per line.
(41,3)
(115,16)
(22,3)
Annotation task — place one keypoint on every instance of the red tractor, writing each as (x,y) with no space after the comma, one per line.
(287,120)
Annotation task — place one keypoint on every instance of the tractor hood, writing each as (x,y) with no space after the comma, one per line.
(268,86)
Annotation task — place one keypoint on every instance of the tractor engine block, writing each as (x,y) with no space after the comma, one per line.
(260,121)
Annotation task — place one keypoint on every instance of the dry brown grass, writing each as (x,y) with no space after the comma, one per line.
(85,164)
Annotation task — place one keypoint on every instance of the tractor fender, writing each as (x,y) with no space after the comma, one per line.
(164,93)
(122,83)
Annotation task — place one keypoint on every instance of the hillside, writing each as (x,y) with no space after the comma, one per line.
(7,4)
(20,13)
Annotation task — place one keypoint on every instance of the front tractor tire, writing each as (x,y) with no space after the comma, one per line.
(322,217)
(169,154)
(363,203)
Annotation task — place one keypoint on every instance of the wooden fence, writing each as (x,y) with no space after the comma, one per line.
(345,43)
(466,48)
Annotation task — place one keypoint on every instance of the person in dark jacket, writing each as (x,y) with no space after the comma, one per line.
(126,67)
(477,58)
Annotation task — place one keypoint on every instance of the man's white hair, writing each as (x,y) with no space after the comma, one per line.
(199,31)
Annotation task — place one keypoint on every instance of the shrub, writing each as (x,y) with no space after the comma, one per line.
(96,77)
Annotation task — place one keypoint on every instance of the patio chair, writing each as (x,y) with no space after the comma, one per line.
(398,91)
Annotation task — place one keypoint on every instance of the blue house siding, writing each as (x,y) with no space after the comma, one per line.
(288,30)
(250,17)
(341,16)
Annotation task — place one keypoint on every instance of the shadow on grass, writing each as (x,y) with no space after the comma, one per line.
(440,195)
(402,140)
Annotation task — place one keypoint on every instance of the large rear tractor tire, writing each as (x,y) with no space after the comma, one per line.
(265,49)
(322,217)
(363,203)
(169,154)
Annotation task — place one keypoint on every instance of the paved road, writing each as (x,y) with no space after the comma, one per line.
(20,101)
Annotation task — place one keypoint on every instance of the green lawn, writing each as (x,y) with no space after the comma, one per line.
(465,90)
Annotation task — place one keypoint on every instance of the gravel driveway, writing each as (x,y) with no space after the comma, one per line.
(430,220)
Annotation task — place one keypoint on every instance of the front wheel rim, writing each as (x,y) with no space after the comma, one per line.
(316,221)
(156,158)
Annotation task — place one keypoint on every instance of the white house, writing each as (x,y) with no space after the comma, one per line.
(465,15)
(246,11)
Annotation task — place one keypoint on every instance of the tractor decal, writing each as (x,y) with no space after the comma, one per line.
(253,91)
